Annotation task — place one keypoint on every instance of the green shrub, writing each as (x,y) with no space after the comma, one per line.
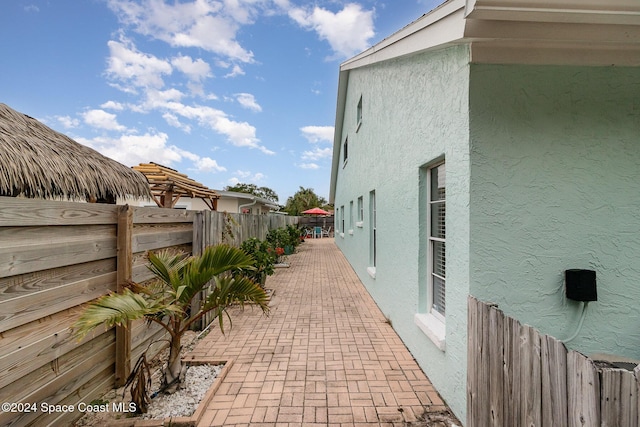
(264,259)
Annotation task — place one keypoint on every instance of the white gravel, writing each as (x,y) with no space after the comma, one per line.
(184,402)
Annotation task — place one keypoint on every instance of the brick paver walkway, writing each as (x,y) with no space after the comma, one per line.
(324,357)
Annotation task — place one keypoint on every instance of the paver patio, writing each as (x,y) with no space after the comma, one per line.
(325,356)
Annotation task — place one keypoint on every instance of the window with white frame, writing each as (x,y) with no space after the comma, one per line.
(430,317)
(436,239)
(360,211)
(372,236)
(342,220)
(351,217)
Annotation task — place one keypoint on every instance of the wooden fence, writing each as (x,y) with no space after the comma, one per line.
(57,256)
(519,377)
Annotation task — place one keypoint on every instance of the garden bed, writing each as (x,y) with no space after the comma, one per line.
(189,403)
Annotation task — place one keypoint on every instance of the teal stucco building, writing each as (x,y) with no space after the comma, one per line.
(483,150)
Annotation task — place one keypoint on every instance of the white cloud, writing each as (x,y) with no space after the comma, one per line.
(204,24)
(308,166)
(102,120)
(68,121)
(248,101)
(195,70)
(173,120)
(239,134)
(246,177)
(134,149)
(129,67)
(113,105)
(316,134)
(236,70)
(159,98)
(151,147)
(317,154)
(207,164)
(348,31)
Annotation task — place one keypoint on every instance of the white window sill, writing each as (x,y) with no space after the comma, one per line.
(372,272)
(342,235)
(432,327)
(359,224)
(350,232)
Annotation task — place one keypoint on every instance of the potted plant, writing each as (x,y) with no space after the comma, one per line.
(293,238)
(167,300)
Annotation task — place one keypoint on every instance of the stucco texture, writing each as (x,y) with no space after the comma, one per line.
(414,110)
(555,185)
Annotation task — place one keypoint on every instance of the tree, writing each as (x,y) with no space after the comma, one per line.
(303,199)
(263,192)
(168,299)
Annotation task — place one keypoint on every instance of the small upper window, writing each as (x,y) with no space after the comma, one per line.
(359,114)
(345,150)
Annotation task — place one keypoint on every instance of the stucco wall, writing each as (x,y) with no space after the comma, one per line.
(414,110)
(555,184)
(227,204)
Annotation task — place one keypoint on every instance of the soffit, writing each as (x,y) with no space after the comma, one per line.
(619,12)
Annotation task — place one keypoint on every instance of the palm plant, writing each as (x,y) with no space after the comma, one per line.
(167,300)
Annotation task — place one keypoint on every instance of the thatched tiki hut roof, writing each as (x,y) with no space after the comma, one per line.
(38,162)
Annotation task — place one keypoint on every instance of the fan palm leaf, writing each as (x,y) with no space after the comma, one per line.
(214,261)
(118,309)
(223,258)
(234,290)
(168,267)
(167,300)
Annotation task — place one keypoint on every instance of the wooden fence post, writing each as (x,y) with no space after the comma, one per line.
(123,276)
(197,247)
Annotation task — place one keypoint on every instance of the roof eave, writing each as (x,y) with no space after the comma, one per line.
(437,28)
(343,80)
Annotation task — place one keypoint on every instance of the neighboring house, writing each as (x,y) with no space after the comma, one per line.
(522,118)
(234,202)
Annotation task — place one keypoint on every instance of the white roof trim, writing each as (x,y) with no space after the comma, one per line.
(445,24)
(610,28)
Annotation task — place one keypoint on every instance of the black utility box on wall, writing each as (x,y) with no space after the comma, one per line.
(580,285)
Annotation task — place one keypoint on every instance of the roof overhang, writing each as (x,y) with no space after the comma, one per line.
(251,197)
(534,32)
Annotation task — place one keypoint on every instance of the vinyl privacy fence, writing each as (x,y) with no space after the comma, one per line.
(57,256)
(519,377)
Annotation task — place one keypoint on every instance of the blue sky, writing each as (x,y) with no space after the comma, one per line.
(225,91)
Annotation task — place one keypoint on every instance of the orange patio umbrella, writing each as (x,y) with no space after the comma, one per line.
(315,211)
